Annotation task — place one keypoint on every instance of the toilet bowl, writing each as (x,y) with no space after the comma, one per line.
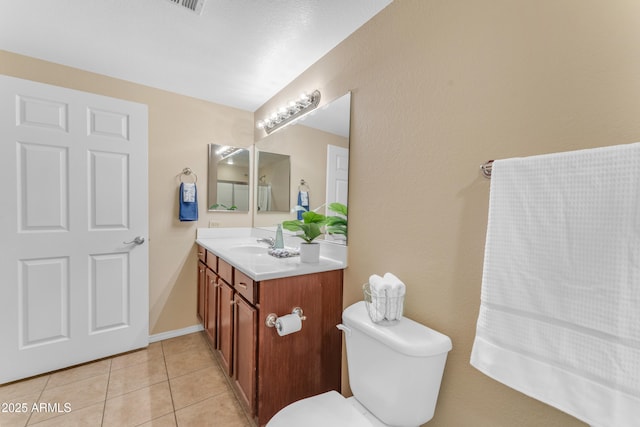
(394,372)
(329,409)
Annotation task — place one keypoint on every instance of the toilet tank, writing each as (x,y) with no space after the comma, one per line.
(394,371)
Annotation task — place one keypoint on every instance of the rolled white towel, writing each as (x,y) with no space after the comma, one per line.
(396,291)
(379,289)
(397,286)
(377,285)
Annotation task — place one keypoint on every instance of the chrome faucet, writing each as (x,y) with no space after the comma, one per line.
(268,240)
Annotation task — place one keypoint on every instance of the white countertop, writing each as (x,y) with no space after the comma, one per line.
(231,245)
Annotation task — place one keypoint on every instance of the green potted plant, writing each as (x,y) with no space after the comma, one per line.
(220,206)
(337,225)
(307,229)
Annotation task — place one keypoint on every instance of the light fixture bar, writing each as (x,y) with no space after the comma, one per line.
(293,111)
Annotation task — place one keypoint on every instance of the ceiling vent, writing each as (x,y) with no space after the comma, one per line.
(195,6)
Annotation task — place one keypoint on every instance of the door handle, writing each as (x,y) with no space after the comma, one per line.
(138,241)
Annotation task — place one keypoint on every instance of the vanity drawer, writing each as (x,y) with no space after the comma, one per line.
(225,271)
(202,253)
(245,286)
(212,261)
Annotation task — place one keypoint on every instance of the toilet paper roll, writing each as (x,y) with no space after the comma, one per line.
(288,324)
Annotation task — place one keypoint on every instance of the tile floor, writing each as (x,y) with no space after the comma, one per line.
(176,382)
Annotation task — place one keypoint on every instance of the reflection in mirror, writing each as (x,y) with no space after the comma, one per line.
(274,180)
(228,183)
(318,146)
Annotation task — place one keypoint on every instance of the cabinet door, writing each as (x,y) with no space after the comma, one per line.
(211,321)
(244,356)
(307,362)
(202,290)
(225,324)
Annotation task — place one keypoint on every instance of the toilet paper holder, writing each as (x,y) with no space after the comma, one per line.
(272,318)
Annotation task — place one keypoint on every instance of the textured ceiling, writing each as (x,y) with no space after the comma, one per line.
(237,52)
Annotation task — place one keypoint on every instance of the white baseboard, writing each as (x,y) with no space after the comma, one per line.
(175,333)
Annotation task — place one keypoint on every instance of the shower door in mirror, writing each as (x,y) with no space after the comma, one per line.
(274,181)
(228,183)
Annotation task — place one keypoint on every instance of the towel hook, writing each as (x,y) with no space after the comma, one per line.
(188,172)
(486,169)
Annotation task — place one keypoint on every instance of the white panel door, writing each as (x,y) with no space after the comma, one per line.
(337,175)
(74,171)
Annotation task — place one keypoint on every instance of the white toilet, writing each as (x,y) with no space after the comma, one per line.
(394,373)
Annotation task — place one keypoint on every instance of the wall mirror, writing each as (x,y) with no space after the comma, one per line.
(228,178)
(318,149)
(274,182)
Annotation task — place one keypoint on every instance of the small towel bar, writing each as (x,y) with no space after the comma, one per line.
(188,172)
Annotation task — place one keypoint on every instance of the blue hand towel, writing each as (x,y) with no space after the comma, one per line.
(303,200)
(188,202)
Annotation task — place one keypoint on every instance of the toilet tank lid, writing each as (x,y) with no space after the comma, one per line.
(407,336)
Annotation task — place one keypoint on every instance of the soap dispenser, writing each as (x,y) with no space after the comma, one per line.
(279,243)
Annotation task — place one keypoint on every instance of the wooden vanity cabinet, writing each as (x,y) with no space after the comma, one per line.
(224,345)
(270,371)
(210,321)
(202,291)
(244,352)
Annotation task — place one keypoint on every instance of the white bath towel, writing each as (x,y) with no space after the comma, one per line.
(560,312)
(378,289)
(395,300)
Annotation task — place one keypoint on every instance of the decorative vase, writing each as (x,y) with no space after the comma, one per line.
(310,252)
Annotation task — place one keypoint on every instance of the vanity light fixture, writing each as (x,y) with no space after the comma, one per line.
(293,111)
(225,153)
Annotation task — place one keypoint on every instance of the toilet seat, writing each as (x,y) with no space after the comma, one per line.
(322,410)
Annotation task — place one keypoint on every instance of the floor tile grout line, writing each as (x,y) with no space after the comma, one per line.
(135,364)
(50,375)
(139,385)
(191,372)
(173,405)
(181,354)
(211,396)
(229,388)
(68,384)
(44,387)
(106,393)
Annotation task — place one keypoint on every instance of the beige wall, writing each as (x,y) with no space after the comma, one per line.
(439,87)
(179,130)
